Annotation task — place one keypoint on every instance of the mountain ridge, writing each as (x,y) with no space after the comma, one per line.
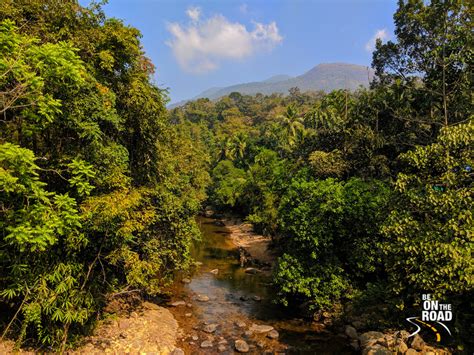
(324,76)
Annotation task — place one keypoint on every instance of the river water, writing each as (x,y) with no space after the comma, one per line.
(237,298)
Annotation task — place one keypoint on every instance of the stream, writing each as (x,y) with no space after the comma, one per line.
(236,301)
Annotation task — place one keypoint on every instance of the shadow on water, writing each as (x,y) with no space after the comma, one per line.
(236,295)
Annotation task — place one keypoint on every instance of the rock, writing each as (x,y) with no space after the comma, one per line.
(195,337)
(240,324)
(189,305)
(389,341)
(257,298)
(123,323)
(210,328)
(351,332)
(376,349)
(355,345)
(411,352)
(177,351)
(177,303)
(214,271)
(198,263)
(252,270)
(222,342)
(371,338)
(241,346)
(221,348)
(149,305)
(260,329)
(402,334)
(260,345)
(185,280)
(188,315)
(244,298)
(248,333)
(273,334)
(206,344)
(400,346)
(208,212)
(202,298)
(219,223)
(418,343)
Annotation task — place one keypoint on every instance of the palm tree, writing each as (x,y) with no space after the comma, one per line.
(292,123)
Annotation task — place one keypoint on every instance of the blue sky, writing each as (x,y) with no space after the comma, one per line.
(197,45)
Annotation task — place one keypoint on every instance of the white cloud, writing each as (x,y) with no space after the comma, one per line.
(382,34)
(194,13)
(200,46)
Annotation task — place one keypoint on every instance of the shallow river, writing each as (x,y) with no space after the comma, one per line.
(237,298)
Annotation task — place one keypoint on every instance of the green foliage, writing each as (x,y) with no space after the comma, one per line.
(330,237)
(228,184)
(429,238)
(98,189)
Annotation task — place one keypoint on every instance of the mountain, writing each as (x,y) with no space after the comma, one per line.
(326,77)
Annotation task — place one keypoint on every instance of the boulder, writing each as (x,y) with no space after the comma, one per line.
(371,338)
(411,352)
(400,346)
(376,349)
(241,346)
(351,332)
(417,343)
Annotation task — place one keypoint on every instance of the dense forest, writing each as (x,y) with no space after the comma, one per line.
(367,194)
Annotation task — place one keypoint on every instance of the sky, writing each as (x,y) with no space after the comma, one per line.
(197,45)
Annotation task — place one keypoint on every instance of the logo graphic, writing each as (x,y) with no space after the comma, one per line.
(433,312)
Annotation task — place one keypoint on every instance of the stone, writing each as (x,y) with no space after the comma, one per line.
(189,305)
(411,352)
(400,346)
(376,349)
(202,298)
(206,344)
(273,334)
(214,271)
(418,343)
(177,351)
(188,315)
(195,337)
(219,223)
(248,333)
(371,338)
(198,263)
(185,280)
(252,270)
(355,345)
(240,324)
(241,346)
(351,332)
(221,348)
(260,328)
(210,328)
(260,345)
(222,342)
(257,298)
(177,303)
(244,298)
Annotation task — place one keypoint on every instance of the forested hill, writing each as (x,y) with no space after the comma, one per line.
(323,77)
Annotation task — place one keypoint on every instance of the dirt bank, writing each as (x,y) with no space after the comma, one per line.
(149,329)
(257,245)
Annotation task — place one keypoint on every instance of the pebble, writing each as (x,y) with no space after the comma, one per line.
(240,324)
(260,329)
(210,328)
(177,351)
(188,315)
(221,348)
(202,298)
(177,303)
(195,337)
(185,280)
(241,346)
(273,334)
(206,344)
(252,270)
(257,298)
(215,271)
